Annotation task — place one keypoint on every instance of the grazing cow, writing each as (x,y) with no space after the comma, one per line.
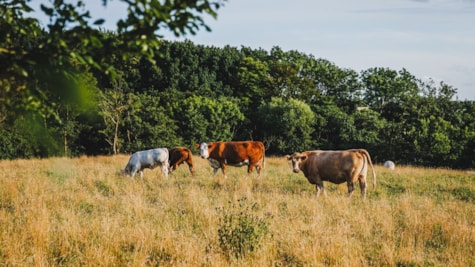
(334,166)
(220,154)
(147,159)
(178,155)
(390,165)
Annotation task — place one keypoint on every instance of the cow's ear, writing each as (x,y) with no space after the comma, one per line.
(303,158)
(197,145)
(288,157)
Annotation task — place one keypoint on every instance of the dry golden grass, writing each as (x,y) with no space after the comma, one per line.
(80,212)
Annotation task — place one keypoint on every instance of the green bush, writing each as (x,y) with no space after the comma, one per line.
(240,230)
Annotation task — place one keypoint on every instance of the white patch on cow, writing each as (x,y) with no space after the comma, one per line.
(239,164)
(214,163)
(204,153)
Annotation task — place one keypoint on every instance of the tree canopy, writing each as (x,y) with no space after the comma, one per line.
(71,38)
(73,89)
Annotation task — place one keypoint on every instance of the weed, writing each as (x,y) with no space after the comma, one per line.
(86,208)
(438,239)
(158,257)
(104,188)
(464,194)
(240,230)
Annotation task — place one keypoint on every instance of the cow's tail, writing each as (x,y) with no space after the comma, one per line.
(368,159)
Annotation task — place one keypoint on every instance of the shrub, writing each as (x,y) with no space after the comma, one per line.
(240,230)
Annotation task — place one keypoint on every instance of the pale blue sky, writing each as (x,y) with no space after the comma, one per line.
(430,38)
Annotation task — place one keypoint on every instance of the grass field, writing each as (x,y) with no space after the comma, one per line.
(80,212)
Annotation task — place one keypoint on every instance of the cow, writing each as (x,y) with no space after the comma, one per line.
(334,166)
(390,165)
(238,153)
(178,155)
(147,159)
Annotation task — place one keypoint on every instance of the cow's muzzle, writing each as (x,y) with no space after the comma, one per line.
(296,170)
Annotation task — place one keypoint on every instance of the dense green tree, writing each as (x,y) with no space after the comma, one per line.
(253,87)
(432,141)
(384,86)
(253,78)
(36,137)
(203,119)
(340,86)
(15,144)
(284,68)
(467,157)
(286,126)
(29,53)
(368,126)
(467,133)
(147,125)
(335,128)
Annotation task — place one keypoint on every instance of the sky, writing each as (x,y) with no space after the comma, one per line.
(432,39)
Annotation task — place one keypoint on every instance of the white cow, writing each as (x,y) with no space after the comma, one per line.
(147,159)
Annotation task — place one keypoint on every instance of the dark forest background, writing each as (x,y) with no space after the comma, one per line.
(57,100)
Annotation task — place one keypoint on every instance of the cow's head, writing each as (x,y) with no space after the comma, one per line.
(125,172)
(204,150)
(296,159)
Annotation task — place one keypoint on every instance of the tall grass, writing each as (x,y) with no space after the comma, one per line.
(81,212)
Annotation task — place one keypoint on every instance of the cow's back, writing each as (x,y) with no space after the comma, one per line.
(235,152)
(160,155)
(178,153)
(152,157)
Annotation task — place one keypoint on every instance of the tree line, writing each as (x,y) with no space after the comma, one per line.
(180,94)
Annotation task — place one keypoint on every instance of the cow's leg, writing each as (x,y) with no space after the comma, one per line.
(141,174)
(133,172)
(351,187)
(178,163)
(192,171)
(172,168)
(215,171)
(362,181)
(224,174)
(165,170)
(223,168)
(249,168)
(258,167)
(190,166)
(319,187)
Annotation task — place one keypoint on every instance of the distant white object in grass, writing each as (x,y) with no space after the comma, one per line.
(390,165)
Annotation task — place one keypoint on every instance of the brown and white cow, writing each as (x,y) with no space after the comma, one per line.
(179,155)
(334,166)
(239,153)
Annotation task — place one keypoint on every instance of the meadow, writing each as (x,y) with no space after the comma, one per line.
(81,212)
